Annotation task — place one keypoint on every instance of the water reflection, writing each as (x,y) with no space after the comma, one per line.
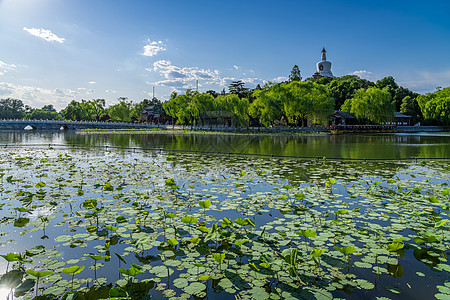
(357,146)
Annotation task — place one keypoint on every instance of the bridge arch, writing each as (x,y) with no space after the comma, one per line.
(29,127)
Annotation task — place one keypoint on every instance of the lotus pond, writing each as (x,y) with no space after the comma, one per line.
(96,224)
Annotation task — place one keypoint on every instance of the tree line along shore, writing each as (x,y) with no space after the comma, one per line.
(292,103)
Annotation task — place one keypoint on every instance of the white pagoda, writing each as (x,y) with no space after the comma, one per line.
(323,67)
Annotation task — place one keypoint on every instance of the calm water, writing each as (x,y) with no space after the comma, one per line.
(370,146)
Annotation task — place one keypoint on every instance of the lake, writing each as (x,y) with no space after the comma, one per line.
(356,146)
(170,223)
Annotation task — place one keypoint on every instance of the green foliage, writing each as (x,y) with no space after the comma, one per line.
(397,92)
(237,88)
(11,109)
(308,233)
(295,74)
(295,100)
(47,112)
(39,274)
(343,88)
(233,106)
(317,252)
(205,204)
(436,106)
(86,110)
(395,246)
(345,250)
(121,111)
(410,107)
(73,270)
(219,257)
(372,105)
(189,220)
(267,106)
(190,107)
(134,270)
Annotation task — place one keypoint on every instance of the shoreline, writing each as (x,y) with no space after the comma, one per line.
(259,131)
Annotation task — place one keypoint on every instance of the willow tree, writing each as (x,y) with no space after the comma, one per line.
(189,107)
(235,107)
(302,100)
(372,105)
(170,107)
(267,106)
(204,103)
(436,106)
(121,112)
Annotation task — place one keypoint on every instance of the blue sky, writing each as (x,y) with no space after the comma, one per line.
(53,51)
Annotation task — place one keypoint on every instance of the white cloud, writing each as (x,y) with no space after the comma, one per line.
(182,77)
(4,67)
(37,97)
(236,67)
(425,81)
(153,48)
(111,91)
(92,82)
(280,79)
(90,92)
(363,74)
(44,34)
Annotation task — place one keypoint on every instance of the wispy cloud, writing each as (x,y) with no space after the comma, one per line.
(153,48)
(111,91)
(186,78)
(4,67)
(44,34)
(363,74)
(236,67)
(182,77)
(426,81)
(36,96)
(280,79)
(92,82)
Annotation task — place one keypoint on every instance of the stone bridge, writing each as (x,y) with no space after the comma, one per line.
(68,125)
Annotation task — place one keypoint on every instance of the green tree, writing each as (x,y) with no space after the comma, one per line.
(77,111)
(96,108)
(267,106)
(410,107)
(235,107)
(237,87)
(11,109)
(189,107)
(397,92)
(212,93)
(372,105)
(171,107)
(47,112)
(436,106)
(343,88)
(302,100)
(86,110)
(121,112)
(295,74)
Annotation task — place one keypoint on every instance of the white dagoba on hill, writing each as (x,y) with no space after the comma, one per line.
(323,67)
